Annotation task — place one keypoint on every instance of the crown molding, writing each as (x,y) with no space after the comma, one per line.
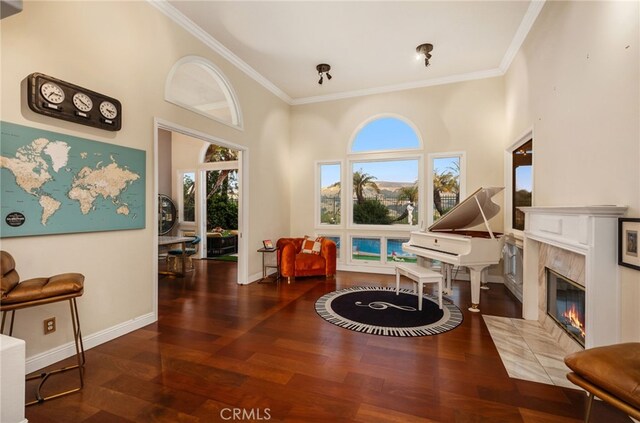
(523,30)
(191,27)
(521,34)
(490,73)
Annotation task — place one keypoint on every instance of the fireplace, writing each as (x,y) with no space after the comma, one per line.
(566,304)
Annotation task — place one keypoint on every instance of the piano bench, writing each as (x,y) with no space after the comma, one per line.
(420,275)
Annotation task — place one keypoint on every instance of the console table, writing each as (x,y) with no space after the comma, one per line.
(265,278)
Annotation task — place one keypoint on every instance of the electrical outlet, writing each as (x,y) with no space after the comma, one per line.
(49,325)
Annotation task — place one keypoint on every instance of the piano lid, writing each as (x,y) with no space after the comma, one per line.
(467,214)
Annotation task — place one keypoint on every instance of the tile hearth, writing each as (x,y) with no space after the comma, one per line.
(528,352)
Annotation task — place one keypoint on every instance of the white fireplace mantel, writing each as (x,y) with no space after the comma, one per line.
(590,231)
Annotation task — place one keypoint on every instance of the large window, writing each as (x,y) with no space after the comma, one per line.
(446,182)
(385,192)
(385,174)
(330,193)
(522,185)
(373,200)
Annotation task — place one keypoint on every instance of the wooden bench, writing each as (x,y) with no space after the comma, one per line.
(420,275)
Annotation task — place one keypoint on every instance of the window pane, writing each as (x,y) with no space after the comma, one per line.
(446,185)
(189,197)
(216,153)
(365,249)
(385,134)
(395,253)
(335,239)
(199,87)
(385,193)
(330,194)
(522,160)
(222,200)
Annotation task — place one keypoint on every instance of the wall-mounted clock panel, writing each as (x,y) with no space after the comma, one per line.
(63,100)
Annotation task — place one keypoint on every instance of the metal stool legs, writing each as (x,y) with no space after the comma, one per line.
(80,358)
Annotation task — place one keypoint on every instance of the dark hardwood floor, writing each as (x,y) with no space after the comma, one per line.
(223,352)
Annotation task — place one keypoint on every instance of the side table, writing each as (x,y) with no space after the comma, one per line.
(265,266)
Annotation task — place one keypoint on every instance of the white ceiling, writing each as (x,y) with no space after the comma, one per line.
(369,45)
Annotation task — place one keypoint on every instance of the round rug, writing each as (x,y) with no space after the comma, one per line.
(379,311)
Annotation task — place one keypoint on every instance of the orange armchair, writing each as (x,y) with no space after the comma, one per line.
(294,263)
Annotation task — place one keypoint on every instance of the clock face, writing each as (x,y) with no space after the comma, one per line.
(52,93)
(108,110)
(82,102)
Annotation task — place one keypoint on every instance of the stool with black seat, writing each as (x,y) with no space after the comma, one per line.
(16,295)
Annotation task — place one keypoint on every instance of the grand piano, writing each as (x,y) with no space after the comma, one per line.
(449,241)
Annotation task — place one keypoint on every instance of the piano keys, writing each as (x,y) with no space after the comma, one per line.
(450,241)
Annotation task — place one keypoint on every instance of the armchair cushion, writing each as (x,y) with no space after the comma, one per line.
(311,246)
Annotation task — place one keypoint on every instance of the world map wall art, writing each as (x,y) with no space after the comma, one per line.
(56,184)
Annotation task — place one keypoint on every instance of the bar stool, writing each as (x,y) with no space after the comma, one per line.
(16,295)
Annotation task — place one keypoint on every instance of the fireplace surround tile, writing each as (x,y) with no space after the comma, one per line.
(528,351)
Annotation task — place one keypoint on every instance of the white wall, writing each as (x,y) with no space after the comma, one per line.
(576,82)
(466,116)
(125,50)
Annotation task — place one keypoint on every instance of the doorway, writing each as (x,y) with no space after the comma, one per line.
(241,172)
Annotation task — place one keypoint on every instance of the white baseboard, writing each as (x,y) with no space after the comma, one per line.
(54,355)
(258,276)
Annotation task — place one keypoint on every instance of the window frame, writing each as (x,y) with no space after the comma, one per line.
(317,191)
(340,255)
(182,223)
(384,157)
(223,82)
(371,119)
(508,181)
(430,167)
(383,248)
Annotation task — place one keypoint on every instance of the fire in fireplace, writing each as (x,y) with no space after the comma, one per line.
(566,304)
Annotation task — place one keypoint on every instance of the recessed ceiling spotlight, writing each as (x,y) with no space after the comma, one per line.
(323,70)
(424,50)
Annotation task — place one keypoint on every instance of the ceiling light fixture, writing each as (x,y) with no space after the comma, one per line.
(424,49)
(323,70)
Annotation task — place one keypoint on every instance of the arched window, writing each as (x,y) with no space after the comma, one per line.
(384,134)
(385,167)
(197,85)
(382,191)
